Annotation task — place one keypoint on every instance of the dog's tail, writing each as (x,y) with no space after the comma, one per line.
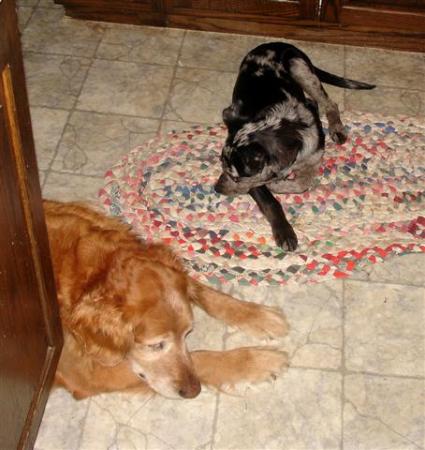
(335,80)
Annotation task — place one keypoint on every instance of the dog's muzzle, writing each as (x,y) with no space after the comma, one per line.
(226,185)
(229,185)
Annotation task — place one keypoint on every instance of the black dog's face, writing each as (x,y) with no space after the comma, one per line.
(256,150)
(244,160)
(244,167)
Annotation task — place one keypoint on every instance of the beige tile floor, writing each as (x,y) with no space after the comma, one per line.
(357,346)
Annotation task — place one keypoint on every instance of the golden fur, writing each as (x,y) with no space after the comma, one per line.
(126,308)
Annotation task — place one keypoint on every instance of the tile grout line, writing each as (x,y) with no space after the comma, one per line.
(385,375)
(215,420)
(171,86)
(359,372)
(189,66)
(48,169)
(55,152)
(351,280)
(34,8)
(217,405)
(103,113)
(343,367)
(84,175)
(100,58)
(70,112)
(80,437)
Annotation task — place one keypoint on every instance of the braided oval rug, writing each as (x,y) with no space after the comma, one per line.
(366,205)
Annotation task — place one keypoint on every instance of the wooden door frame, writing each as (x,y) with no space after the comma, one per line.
(25,180)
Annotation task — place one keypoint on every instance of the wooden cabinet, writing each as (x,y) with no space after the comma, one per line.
(30,332)
(241,16)
(146,12)
(387,23)
(266,11)
(395,24)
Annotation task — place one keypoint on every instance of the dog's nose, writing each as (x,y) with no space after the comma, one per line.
(191,389)
(218,188)
(219,185)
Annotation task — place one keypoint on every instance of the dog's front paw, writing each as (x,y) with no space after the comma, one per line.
(338,137)
(338,134)
(224,370)
(262,363)
(286,238)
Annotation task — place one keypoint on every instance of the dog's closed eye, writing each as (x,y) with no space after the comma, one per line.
(188,332)
(158,346)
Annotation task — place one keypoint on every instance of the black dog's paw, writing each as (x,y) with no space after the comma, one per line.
(286,238)
(339,137)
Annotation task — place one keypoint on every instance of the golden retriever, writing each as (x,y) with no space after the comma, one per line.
(126,309)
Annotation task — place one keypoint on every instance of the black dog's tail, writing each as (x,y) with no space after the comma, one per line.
(335,80)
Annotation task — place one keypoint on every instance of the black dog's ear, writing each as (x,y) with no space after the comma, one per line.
(232,115)
(282,144)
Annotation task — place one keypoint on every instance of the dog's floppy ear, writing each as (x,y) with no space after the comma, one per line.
(232,115)
(96,318)
(98,324)
(282,143)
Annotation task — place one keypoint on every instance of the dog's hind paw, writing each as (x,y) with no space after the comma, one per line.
(261,321)
(273,322)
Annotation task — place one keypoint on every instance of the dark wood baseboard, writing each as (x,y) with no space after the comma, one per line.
(113,11)
(308,31)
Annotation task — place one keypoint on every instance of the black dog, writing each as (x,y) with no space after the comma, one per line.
(275,130)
